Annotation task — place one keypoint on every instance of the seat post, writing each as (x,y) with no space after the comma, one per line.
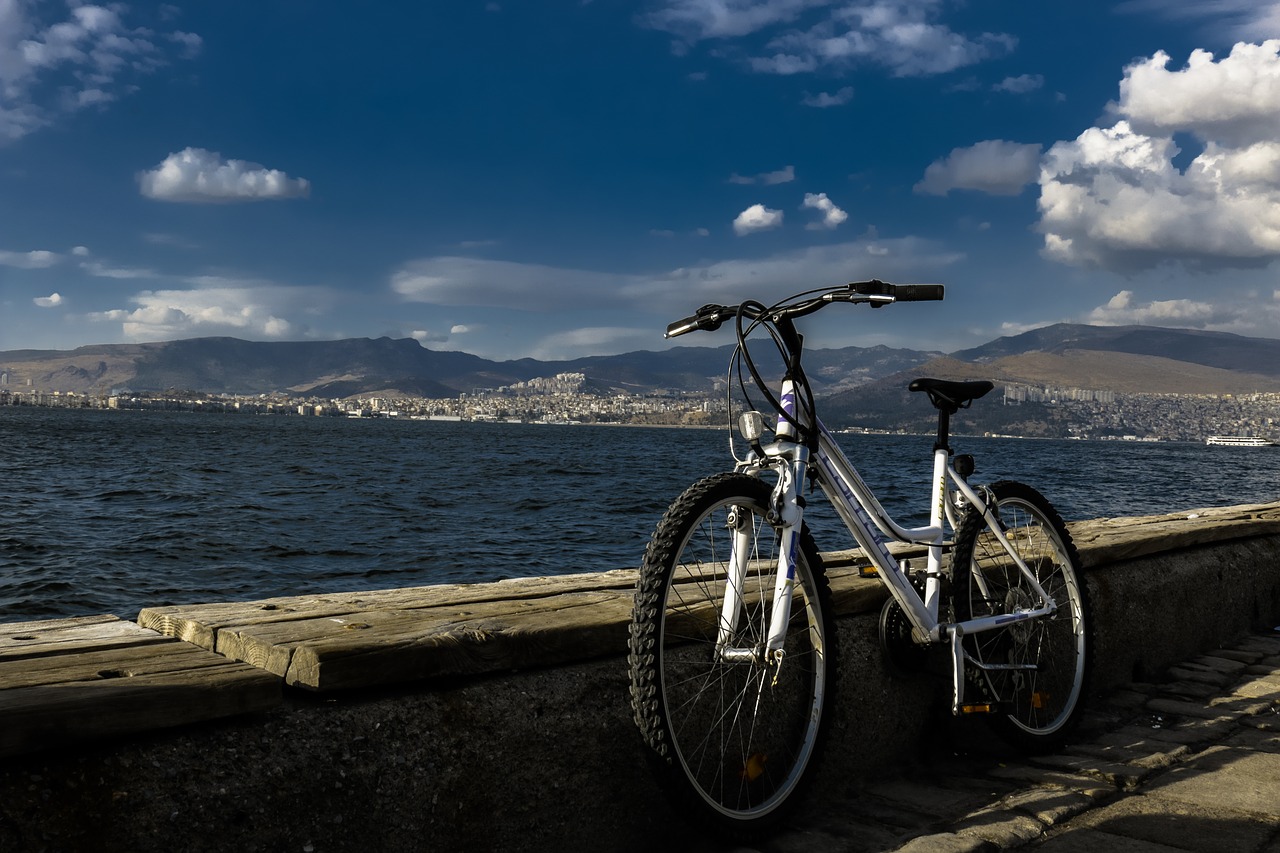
(943,441)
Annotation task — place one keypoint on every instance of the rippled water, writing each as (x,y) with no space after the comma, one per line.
(109,511)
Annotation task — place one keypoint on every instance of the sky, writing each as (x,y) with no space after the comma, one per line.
(562,178)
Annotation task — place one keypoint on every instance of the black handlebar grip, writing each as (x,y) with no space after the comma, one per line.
(708,318)
(918,292)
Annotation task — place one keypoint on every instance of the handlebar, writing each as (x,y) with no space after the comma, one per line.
(918,293)
(877,293)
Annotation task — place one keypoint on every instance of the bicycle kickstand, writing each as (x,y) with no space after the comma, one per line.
(957,669)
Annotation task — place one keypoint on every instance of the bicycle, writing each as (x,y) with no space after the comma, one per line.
(732,643)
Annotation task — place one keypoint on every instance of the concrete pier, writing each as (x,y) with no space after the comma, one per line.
(495,716)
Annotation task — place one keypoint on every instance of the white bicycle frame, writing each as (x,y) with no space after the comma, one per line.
(872,528)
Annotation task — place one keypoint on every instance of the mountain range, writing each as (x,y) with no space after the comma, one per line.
(1126,359)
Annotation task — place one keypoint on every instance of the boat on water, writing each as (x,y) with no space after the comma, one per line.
(1239,441)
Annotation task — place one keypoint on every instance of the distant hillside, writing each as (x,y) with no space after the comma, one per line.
(1125,359)
(1208,349)
(887,404)
(345,368)
(1109,371)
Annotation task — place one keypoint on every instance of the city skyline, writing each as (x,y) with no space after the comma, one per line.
(563,180)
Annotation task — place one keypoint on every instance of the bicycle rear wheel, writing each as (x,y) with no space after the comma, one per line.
(732,738)
(1038,694)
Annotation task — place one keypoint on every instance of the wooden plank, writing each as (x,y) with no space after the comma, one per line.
(433,636)
(380,647)
(852,593)
(112,677)
(23,640)
(46,625)
(533,638)
(571,627)
(167,656)
(1104,541)
(200,624)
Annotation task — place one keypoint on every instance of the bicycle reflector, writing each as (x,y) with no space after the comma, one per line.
(751,425)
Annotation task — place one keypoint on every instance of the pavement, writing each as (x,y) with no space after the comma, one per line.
(1188,764)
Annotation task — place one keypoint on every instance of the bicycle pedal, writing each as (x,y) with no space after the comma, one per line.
(985,708)
(868,572)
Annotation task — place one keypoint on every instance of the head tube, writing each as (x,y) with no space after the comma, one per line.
(788,403)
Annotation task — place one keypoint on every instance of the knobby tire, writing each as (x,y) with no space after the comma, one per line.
(733,742)
(1035,709)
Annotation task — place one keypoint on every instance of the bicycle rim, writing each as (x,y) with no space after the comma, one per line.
(1038,704)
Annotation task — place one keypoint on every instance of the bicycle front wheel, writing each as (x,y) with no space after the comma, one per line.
(732,735)
(1033,671)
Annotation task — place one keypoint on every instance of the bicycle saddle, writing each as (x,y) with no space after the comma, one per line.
(949,394)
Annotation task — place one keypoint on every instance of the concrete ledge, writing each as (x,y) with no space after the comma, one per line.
(547,758)
(361,640)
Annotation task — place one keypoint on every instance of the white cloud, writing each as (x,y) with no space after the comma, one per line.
(807,35)
(829,99)
(161,239)
(902,37)
(481,282)
(669,233)
(101,270)
(1020,85)
(695,20)
(993,166)
(459,329)
(1121,310)
(1233,20)
(216,306)
(785,175)
(1009,329)
(597,340)
(1243,312)
(50,68)
(831,215)
(757,217)
(423,336)
(452,280)
(1113,197)
(53,300)
(1233,101)
(197,175)
(783,64)
(28,260)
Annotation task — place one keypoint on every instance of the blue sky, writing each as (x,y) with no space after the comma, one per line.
(556,179)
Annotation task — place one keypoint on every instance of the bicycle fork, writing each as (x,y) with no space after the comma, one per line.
(785,516)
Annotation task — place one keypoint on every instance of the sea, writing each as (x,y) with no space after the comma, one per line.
(107,511)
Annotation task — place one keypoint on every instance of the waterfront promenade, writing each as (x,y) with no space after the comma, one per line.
(1191,763)
(494,716)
